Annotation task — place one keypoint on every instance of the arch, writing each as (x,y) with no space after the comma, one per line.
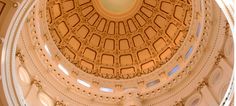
(45,99)
(23,74)
(194,100)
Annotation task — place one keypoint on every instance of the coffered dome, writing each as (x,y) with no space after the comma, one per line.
(119,39)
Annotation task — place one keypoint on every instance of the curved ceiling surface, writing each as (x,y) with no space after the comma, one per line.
(119,39)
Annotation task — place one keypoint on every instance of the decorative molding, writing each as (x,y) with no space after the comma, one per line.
(219,57)
(20,56)
(179,103)
(37,84)
(60,103)
(201,85)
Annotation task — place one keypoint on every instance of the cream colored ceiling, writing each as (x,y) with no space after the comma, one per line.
(119,46)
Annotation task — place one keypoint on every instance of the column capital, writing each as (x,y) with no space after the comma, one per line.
(219,57)
(202,84)
(37,83)
(20,56)
(179,103)
(60,103)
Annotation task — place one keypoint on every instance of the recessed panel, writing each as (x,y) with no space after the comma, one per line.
(146,11)
(56,36)
(63,29)
(179,12)
(127,71)
(171,31)
(93,19)
(166,54)
(82,31)
(179,38)
(132,27)
(108,71)
(68,53)
(95,40)
(148,65)
(121,28)
(74,43)
(166,7)
(124,44)
(90,54)
(73,20)
(144,54)
(150,32)
(82,2)
(138,40)
(68,5)
(111,28)
(107,59)
(126,59)
(151,2)
(159,44)
(87,10)
(86,64)
(101,25)
(109,44)
(160,21)
(56,10)
(140,20)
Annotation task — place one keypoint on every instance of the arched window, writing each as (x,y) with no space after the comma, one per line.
(45,99)
(24,76)
(153,83)
(63,69)
(103,89)
(195,102)
(83,83)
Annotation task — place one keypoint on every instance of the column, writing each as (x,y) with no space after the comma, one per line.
(206,94)
(131,98)
(223,63)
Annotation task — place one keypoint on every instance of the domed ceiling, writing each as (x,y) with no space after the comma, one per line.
(119,39)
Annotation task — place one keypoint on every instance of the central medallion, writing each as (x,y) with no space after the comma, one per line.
(117,6)
(117,9)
